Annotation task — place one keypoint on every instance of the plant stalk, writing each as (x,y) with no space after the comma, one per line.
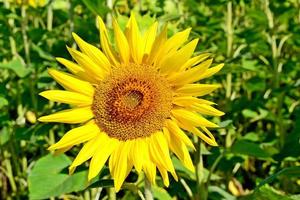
(109,4)
(202,187)
(229,33)
(50,17)
(112,194)
(148,189)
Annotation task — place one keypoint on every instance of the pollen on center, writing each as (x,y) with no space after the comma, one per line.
(132,102)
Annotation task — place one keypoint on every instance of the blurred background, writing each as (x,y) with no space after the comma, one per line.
(259,152)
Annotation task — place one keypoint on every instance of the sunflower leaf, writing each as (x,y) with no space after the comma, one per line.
(49,179)
(161,194)
(17,65)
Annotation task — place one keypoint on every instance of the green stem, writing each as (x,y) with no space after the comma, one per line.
(187,188)
(49,17)
(202,187)
(229,29)
(11,23)
(109,4)
(13,46)
(228,85)
(213,167)
(229,33)
(86,195)
(9,171)
(112,194)
(280,125)
(148,190)
(71,17)
(26,43)
(24,34)
(276,50)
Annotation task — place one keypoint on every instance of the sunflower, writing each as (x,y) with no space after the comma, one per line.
(134,102)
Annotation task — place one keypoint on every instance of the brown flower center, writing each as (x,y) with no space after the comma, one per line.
(132,102)
(132,99)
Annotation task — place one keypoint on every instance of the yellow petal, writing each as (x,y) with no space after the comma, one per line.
(62,150)
(191,75)
(122,165)
(194,61)
(134,38)
(70,116)
(177,132)
(206,109)
(209,138)
(173,43)
(121,42)
(68,97)
(157,45)
(159,151)
(149,38)
(149,167)
(93,53)
(197,89)
(211,71)
(187,101)
(137,154)
(108,145)
(208,133)
(173,62)
(164,175)
(71,66)
(71,83)
(180,150)
(113,160)
(192,118)
(88,151)
(106,47)
(91,68)
(76,136)
(76,70)
(150,171)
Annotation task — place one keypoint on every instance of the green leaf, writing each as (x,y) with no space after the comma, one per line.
(47,179)
(249,65)
(291,146)
(17,65)
(249,113)
(251,137)
(61,5)
(221,192)
(249,148)
(295,197)
(287,172)
(190,175)
(255,84)
(4,135)
(179,167)
(3,102)
(160,193)
(226,123)
(259,17)
(42,53)
(96,6)
(267,193)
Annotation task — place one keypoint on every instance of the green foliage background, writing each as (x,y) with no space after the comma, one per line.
(259,151)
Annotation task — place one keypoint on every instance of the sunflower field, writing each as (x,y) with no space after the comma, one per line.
(169,99)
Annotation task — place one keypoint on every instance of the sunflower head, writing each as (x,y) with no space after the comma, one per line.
(135,101)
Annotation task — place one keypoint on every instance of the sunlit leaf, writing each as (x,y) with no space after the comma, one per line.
(49,179)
